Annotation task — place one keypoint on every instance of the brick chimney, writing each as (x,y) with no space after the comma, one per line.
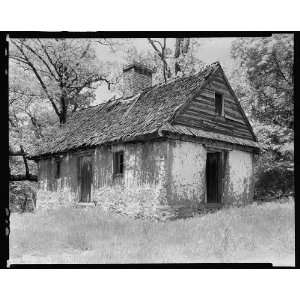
(136,77)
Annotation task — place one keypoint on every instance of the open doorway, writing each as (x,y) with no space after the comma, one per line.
(214,177)
(85,178)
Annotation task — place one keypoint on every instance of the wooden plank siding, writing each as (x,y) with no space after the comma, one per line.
(200,112)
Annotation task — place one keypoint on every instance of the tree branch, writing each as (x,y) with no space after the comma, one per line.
(49,58)
(22,177)
(39,78)
(161,54)
(27,175)
(42,60)
(24,160)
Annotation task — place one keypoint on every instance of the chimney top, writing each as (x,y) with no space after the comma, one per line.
(136,77)
(141,68)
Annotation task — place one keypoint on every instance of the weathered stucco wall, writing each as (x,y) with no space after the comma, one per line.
(186,176)
(142,189)
(161,179)
(239,182)
(57,192)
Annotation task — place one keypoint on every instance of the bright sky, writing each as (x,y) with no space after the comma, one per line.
(211,50)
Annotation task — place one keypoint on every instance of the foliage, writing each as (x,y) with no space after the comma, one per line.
(264,82)
(256,233)
(179,60)
(162,58)
(66,71)
(189,62)
(48,80)
(22,196)
(268,63)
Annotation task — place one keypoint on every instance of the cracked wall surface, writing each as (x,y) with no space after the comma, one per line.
(162,179)
(240,181)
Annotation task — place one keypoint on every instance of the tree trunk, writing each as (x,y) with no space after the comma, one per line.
(21,177)
(62,118)
(181,48)
(63,112)
(177,53)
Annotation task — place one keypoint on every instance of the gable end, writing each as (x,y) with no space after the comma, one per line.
(200,111)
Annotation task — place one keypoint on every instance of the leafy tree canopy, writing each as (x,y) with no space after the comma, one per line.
(268,66)
(66,71)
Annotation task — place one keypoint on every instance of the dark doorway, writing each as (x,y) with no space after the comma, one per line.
(213,178)
(85,178)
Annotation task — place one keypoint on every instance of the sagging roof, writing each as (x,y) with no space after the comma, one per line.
(121,120)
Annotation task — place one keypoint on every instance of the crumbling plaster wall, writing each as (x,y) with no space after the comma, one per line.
(161,179)
(142,189)
(62,191)
(239,178)
(186,175)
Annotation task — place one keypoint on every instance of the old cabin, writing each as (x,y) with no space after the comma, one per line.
(161,151)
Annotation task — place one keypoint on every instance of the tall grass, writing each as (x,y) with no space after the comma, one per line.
(256,233)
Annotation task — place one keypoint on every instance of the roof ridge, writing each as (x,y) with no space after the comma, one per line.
(216,63)
(160,84)
(113,98)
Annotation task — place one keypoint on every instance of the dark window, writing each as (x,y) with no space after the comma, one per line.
(57,169)
(219,104)
(118,162)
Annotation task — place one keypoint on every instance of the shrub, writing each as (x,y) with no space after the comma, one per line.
(22,196)
(273,178)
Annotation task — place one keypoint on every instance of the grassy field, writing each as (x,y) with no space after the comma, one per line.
(256,233)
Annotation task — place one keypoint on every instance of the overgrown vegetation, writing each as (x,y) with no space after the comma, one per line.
(22,196)
(50,79)
(264,82)
(256,233)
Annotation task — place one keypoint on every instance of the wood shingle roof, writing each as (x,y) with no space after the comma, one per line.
(121,120)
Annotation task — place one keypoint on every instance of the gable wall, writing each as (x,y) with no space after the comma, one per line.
(240,178)
(186,176)
(200,113)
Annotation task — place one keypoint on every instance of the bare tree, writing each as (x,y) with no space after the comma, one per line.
(181,48)
(160,49)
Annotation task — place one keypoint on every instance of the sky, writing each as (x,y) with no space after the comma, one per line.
(211,50)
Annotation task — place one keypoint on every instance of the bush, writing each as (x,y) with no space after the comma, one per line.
(274,183)
(273,179)
(22,196)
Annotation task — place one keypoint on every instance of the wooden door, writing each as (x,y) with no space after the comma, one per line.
(85,178)
(213,178)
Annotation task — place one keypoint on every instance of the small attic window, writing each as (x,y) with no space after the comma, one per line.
(219,105)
